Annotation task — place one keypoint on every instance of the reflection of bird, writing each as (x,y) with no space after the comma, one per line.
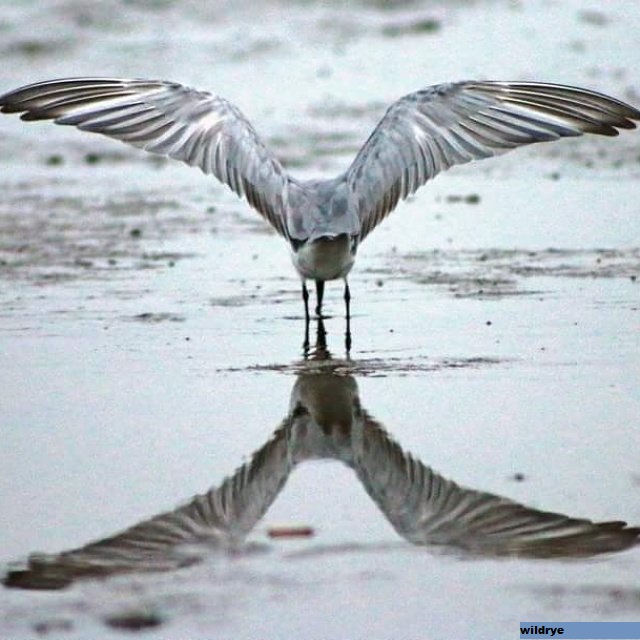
(219,519)
(326,420)
(420,135)
(424,507)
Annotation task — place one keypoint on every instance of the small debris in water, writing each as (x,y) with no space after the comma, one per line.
(153,318)
(135,233)
(424,25)
(594,18)
(134,620)
(35,47)
(518,477)
(54,160)
(290,532)
(472,198)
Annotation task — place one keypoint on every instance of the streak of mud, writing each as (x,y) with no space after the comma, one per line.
(605,599)
(64,236)
(373,367)
(500,273)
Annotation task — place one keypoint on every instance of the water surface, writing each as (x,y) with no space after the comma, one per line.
(151,335)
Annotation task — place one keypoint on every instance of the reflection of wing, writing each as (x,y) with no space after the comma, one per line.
(448,124)
(426,508)
(166,118)
(217,519)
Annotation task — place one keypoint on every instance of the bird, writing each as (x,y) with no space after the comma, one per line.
(325,220)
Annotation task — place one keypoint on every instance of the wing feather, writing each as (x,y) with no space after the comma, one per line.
(428,509)
(169,119)
(217,520)
(429,131)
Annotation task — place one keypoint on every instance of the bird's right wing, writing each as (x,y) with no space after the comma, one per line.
(169,119)
(428,509)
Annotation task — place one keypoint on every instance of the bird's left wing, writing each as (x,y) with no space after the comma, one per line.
(432,130)
(169,119)
(217,520)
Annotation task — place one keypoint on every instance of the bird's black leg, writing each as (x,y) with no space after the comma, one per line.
(347,299)
(305,298)
(347,304)
(320,295)
(321,338)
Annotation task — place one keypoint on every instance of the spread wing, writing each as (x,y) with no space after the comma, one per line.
(431,130)
(427,509)
(217,520)
(169,119)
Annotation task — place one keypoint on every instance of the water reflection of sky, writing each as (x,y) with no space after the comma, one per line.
(327,421)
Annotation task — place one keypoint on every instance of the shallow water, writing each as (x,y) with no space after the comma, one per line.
(151,335)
